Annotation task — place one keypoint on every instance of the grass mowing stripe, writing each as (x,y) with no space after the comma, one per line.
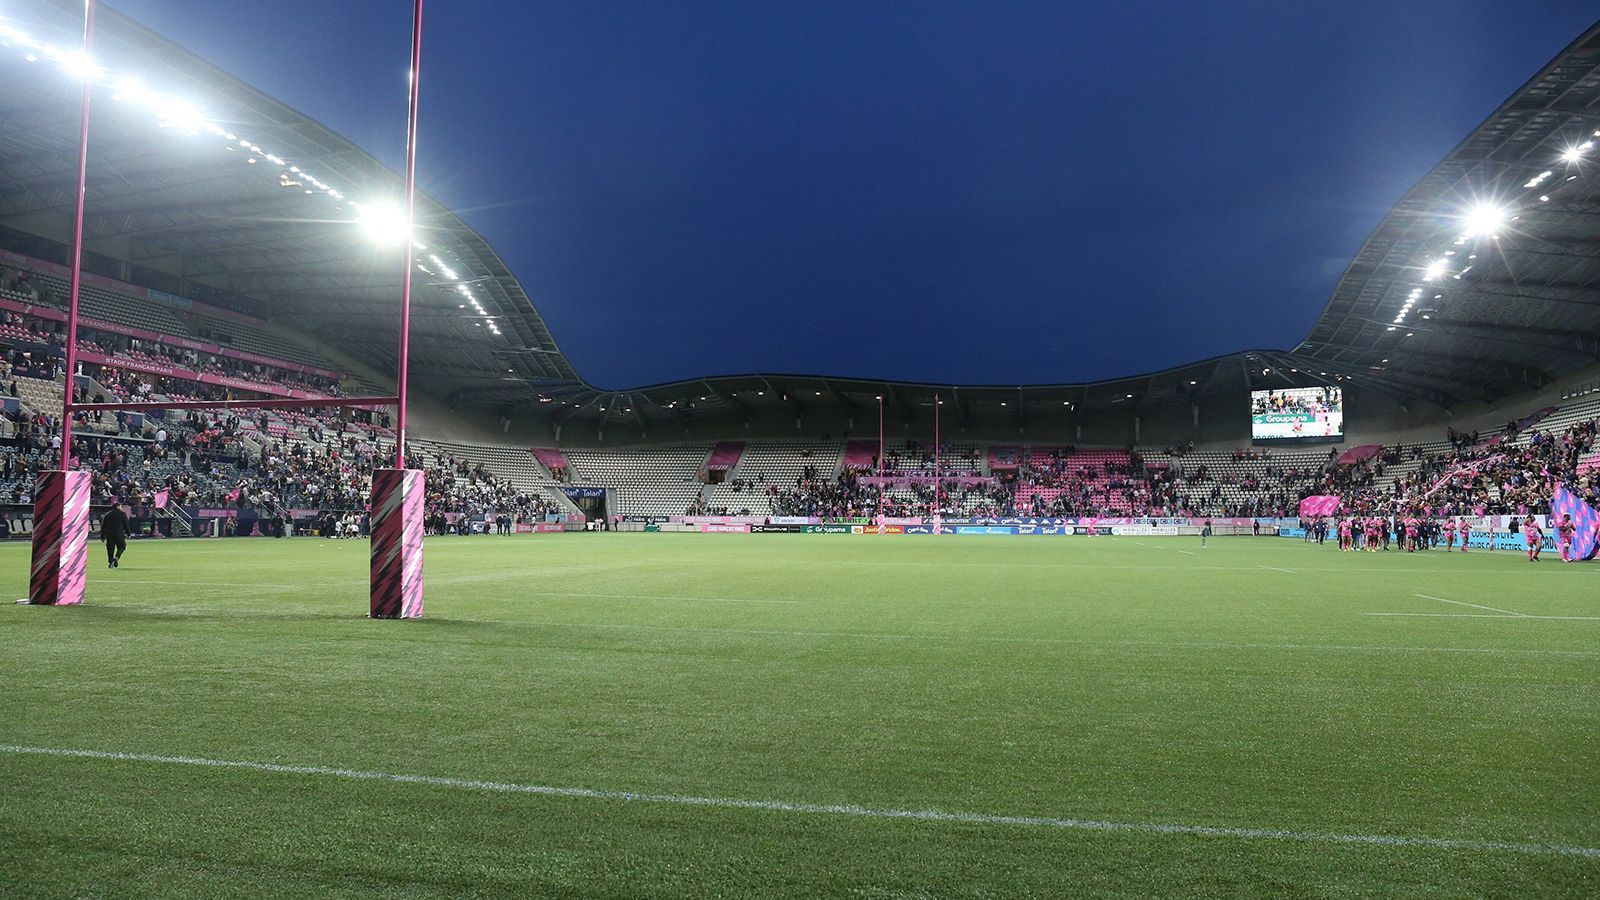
(300,586)
(880,635)
(918,815)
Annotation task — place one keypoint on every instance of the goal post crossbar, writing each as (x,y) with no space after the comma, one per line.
(275,403)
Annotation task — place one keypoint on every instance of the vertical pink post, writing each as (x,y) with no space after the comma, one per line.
(880,462)
(61,497)
(398,493)
(413,104)
(938,473)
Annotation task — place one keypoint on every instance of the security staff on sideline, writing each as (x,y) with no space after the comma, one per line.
(114,531)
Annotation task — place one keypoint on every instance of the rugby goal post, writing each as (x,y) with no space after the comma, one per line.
(62,499)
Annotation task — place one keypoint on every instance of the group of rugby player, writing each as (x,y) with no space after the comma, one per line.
(1373,533)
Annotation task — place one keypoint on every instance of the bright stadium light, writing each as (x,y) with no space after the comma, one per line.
(132,90)
(1435,269)
(1485,220)
(180,115)
(384,223)
(80,66)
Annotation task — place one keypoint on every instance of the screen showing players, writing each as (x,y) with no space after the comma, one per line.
(1313,414)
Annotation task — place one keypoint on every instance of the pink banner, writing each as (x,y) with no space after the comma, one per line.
(724,529)
(859,454)
(964,481)
(1358,454)
(159,368)
(1322,505)
(725,455)
(551,459)
(161,499)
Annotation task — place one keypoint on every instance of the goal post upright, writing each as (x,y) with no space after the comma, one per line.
(61,499)
(398,493)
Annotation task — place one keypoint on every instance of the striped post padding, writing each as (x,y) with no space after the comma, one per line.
(397,511)
(60,538)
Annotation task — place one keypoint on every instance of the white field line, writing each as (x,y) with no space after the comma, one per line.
(1518,616)
(1278,569)
(1473,605)
(866,812)
(1187,552)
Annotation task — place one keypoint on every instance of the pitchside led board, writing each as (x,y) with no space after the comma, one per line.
(1308,415)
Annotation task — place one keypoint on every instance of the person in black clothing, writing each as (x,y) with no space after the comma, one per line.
(114,531)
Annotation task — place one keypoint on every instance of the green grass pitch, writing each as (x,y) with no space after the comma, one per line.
(1353,725)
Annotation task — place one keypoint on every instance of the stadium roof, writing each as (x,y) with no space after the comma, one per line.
(1483,279)
(1479,283)
(200,181)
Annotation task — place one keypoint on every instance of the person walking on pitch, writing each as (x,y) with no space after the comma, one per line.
(114,532)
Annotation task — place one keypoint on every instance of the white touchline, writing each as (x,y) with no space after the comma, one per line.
(868,812)
(1518,616)
(1187,552)
(1277,569)
(1473,605)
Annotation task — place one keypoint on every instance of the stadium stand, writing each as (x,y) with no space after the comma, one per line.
(767,467)
(660,482)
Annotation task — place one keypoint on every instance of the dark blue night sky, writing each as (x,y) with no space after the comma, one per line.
(956,192)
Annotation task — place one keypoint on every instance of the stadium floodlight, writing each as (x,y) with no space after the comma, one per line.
(132,90)
(180,115)
(1435,269)
(384,223)
(80,66)
(1485,220)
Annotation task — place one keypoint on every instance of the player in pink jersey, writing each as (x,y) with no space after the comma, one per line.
(1466,532)
(1373,525)
(1411,535)
(1565,532)
(1533,535)
(1449,535)
(1344,535)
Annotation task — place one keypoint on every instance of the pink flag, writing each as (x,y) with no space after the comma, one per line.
(1322,505)
(233,495)
(161,498)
